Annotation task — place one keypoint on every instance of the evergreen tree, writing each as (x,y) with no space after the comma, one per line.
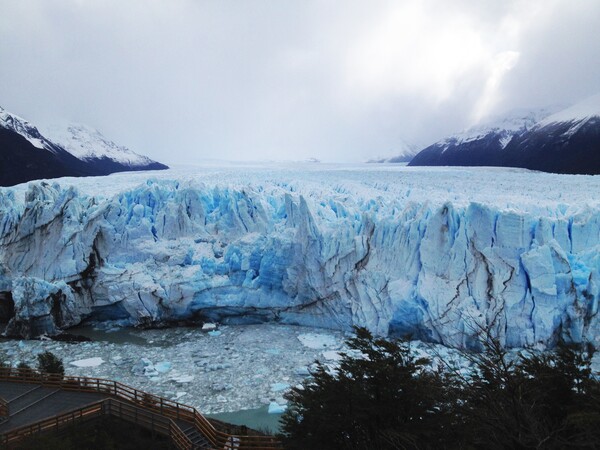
(23,366)
(385,398)
(48,362)
(382,399)
(548,401)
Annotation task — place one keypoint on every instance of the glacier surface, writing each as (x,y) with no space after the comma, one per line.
(436,253)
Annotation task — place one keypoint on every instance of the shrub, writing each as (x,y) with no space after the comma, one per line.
(48,362)
(23,366)
(4,363)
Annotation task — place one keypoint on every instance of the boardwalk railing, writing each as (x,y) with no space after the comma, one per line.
(3,408)
(164,407)
(109,406)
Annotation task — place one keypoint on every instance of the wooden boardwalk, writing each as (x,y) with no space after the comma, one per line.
(32,403)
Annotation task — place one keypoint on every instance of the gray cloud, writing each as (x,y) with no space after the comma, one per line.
(186,80)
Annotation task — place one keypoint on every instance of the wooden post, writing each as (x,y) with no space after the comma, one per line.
(152,422)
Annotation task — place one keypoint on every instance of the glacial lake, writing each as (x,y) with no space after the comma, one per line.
(232,373)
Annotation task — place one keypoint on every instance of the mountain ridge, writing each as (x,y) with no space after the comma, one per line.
(27,154)
(565,141)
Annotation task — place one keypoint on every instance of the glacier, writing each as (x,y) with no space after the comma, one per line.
(439,254)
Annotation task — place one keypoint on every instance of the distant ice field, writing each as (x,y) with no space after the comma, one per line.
(514,189)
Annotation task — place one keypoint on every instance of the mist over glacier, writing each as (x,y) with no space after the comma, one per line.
(436,253)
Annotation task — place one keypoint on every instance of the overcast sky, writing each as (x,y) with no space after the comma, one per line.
(186,80)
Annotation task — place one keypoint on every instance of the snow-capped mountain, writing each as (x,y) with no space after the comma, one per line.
(402,152)
(28,154)
(24,128)
(88,144)
(25,154)
(576,115)
(567,141)
(482,145)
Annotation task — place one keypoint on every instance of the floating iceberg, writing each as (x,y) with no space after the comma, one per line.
(163,367)
(317,340)
(276,387)
(276,408)
(88,362)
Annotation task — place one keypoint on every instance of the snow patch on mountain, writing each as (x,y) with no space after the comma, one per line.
(584,110)
(21,126)
(505,126)
(87,143)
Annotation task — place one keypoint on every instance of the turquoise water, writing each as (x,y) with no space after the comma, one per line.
(258,419)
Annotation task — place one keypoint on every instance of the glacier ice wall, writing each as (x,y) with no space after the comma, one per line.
(166,250)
